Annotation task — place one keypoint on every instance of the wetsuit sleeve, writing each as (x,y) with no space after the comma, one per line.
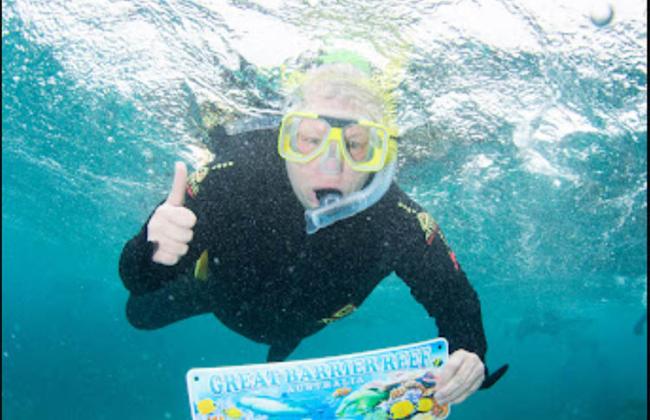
(429,267)
(177,300)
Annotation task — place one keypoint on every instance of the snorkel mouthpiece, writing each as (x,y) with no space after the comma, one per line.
(334,207)
(328,196)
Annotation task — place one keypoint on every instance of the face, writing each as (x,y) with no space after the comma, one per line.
(328,171)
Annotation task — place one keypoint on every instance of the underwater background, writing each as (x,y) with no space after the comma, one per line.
(524,134)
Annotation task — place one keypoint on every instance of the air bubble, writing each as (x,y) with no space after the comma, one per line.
(602,13)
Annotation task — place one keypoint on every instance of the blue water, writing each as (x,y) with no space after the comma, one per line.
(533,160)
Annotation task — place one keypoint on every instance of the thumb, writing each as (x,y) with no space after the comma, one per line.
(177,194)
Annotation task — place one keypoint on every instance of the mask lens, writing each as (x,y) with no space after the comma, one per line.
(357,142)
(304,136)
(307,135)
(363,143)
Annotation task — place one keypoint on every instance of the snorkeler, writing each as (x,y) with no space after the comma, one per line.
(291,229)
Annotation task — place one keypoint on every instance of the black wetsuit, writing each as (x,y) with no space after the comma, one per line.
(272,282)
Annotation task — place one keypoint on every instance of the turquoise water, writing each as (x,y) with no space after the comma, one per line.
(529,148)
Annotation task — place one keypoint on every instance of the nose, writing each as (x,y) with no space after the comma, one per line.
(330,162)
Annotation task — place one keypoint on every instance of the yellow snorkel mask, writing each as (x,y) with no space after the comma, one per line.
(366,146)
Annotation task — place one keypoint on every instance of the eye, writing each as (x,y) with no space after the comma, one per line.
(354,144)
(311,140)
(356,135)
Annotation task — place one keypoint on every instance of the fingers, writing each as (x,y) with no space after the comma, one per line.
(453,364)
(467,380)
(168,251)
(171,230)
(474,386)
(179,216)
(165,258)
(177,194)
(178,234)
(462,376)
(453,384)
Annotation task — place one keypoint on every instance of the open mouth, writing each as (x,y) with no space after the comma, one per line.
(327,196)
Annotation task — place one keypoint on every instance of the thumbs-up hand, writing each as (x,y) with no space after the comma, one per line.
(170,227)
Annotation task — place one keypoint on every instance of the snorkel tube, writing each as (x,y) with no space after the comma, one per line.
(333,207)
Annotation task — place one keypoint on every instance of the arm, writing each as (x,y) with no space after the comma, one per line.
(437,281)
(152,262)
(159,294)
(430,268)
(160,251)
(177,300)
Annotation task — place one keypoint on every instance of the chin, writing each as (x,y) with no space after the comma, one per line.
(307,203)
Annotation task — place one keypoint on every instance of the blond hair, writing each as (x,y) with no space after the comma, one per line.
(343,82)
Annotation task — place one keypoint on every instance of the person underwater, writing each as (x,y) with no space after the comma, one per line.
(292,227)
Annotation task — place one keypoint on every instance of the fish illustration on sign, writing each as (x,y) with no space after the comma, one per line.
(270,406)
(341,392)
(360,402)
(233,412)
(206,406)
